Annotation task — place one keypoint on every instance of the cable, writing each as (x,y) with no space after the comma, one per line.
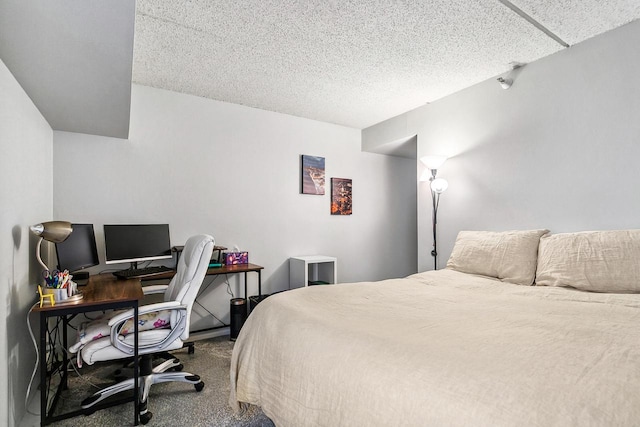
(71,357)
(35,368)
(89,318)
(75,368)
(229,291)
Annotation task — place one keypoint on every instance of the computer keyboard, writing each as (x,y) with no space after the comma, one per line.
(142,272)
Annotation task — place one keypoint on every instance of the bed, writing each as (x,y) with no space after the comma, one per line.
(453,347)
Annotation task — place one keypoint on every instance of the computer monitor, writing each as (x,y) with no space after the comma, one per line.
(136,242)
(79,250)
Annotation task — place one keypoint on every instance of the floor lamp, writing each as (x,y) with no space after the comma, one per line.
(437,186)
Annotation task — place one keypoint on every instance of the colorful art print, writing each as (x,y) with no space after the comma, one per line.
(341,196)
(312,175)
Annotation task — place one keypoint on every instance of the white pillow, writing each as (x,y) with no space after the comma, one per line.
(510,256)
(597,261)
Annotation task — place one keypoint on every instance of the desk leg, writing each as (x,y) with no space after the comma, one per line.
(259,285)
(44,392)
(136,368)
(65,356)
(246,295)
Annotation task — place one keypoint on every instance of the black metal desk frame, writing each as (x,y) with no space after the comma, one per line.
(67,313)
(225,270)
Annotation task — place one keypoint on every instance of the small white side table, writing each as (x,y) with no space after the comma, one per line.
(314,268)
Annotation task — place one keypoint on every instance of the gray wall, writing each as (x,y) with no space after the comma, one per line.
(25,199)
(233,171)
(558,150)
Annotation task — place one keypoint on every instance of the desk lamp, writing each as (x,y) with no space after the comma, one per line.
(52,231)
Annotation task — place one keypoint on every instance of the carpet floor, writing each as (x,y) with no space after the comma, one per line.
(172,404)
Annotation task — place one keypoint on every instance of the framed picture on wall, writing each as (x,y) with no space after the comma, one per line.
(311,175)
(341,197)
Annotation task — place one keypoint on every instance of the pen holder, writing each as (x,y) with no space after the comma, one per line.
(59,294)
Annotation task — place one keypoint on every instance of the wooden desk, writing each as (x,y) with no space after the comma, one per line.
(240,268)
(225,269)
(102,292)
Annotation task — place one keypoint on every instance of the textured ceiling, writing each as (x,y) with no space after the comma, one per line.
(355,62)
(351,62)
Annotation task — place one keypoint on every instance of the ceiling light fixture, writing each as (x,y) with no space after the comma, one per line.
(505,83)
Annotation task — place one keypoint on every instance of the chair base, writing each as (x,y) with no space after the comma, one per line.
(148,376)
(127,367)
(126,371)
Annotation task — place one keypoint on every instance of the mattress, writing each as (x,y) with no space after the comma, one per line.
(441,348)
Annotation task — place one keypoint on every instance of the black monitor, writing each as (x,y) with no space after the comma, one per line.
(136,242)
(79,250)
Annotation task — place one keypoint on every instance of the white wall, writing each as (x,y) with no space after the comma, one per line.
(558,150)
(25,199)
(210,167)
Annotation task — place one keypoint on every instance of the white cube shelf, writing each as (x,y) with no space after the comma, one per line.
(312,268)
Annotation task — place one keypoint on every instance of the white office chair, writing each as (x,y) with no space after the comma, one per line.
(109,338)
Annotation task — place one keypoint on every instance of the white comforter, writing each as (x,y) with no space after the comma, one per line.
(441,349)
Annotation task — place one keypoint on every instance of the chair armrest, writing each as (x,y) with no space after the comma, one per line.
(154,289)
(149,308)
(177,328)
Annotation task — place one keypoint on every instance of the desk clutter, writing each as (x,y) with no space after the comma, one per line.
(233,258)
(222,257)
(59,288)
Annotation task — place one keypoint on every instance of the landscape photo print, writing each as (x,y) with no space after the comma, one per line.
(312,175)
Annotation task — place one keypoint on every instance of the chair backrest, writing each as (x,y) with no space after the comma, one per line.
(192,267)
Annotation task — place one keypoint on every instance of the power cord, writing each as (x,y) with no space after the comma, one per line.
(75,368)
(71,357)
(229,291)
(35,368)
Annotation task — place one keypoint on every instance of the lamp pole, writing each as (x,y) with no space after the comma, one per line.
(435,199)
(436,186)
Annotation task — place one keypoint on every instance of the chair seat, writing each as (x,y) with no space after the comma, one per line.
(101,350)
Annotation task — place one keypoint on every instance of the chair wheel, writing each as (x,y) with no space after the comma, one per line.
(146,417)
(199,386)
(178,368)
